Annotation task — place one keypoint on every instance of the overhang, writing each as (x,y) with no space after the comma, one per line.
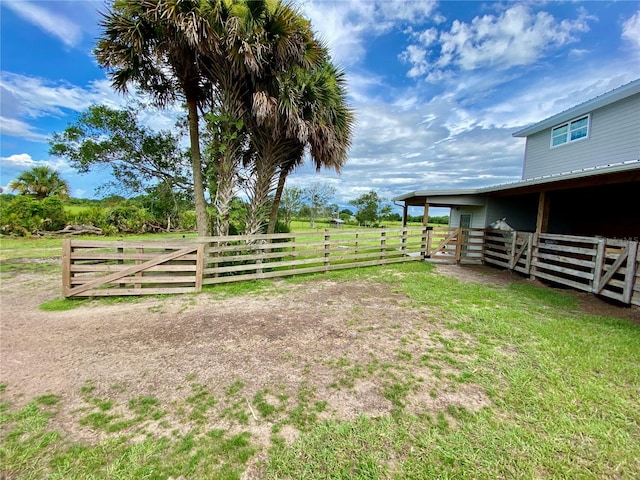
(606,175)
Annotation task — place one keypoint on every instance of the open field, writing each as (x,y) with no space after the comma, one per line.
(411,371)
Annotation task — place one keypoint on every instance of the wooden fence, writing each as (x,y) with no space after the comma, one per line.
(604,266)
(607,267)
(103,268)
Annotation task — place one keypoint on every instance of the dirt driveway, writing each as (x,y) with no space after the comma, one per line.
(301,342)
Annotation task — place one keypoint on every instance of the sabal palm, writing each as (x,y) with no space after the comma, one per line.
(41,182)
(156,45)
(311,114)
(262,40)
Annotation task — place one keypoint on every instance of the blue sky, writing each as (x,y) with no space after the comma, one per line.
(438,87)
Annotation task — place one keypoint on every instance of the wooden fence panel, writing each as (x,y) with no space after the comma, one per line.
(99,268)
(607,267)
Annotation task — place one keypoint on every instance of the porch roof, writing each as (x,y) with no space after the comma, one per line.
(607,174)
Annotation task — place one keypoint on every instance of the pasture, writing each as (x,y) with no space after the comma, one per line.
(405,371)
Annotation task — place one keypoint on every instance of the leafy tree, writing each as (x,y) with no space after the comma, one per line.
(292,201)
(166,205)
(159,46)
(40,182)
(137,157)
(370,208)
(318,196)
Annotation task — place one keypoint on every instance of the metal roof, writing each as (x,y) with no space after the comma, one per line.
(612,96)
(575,174)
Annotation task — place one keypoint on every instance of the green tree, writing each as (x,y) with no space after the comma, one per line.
(40,182)
(370,207)
(292,201)
(159,46)
(318,196)
(137,157)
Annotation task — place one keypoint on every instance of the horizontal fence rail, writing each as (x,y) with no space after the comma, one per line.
(102,268)
(603,266)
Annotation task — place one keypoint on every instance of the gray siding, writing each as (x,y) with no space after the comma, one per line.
(614,136)
(478,215)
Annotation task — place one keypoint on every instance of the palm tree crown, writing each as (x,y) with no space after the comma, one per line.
(41,182)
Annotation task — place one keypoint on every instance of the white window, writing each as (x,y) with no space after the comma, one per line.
(574,130)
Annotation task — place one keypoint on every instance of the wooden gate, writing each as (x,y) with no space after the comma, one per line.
(94,268)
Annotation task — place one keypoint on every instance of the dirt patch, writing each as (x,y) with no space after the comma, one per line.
(337,349)
(321,348)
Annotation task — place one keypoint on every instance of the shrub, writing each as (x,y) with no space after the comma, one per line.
(24,215)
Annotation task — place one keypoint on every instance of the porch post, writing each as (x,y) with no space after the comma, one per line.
(425,216)
(405,210)
(542,222)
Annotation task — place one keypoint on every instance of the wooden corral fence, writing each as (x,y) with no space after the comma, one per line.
(105,268)
(604,266)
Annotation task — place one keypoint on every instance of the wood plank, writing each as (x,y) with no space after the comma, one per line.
(629,276)
(563,281)
(562,259)
(66,266)
(132,269)
(318,269)
(132,280)
(611,271)
(97,256)
(567,249)
(91,268)
(113,292)
(199,267)
(568,271)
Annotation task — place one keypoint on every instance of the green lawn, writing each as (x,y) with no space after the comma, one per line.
(562,384)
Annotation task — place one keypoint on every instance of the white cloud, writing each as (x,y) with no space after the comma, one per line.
(26,98)
(631,29)
(24,161)
(58,26)
(17,128)
(346,25)
(516,37)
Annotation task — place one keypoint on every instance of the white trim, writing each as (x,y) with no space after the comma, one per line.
(568,133)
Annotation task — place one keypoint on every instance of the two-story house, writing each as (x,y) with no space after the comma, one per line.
(581,175)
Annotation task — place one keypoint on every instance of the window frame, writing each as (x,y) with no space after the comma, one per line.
(568,133)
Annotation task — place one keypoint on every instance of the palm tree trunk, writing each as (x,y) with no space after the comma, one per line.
(202,218)
(273,219)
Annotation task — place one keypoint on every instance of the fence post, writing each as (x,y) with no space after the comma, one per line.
(66,266)
(514,248)
(529,252)
(403,241)
(534,253)
(327,251)
(426,242)
(459,245)
(199,267)
(383,242)
(598,264)
(627,292)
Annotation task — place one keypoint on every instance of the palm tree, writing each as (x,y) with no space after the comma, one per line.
(157,46)
(310,114)
(41,182)
(262,40)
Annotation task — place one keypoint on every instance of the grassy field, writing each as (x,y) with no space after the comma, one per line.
(562,384)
